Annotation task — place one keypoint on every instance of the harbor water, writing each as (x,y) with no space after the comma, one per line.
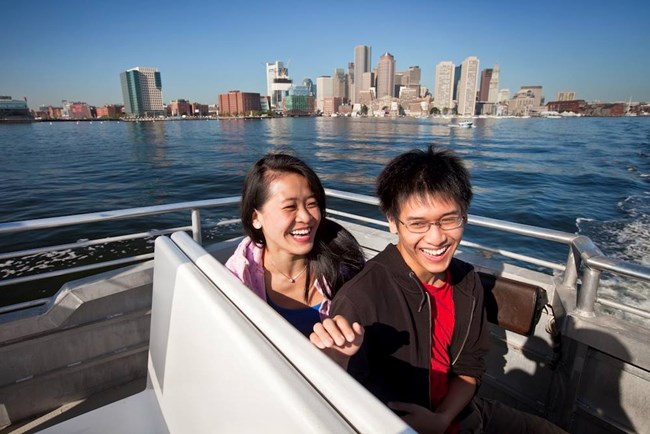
(581,175)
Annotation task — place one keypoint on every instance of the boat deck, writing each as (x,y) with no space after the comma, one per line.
(585,371)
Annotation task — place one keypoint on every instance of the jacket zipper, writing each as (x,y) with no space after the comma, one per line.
(469,326)
(425,296)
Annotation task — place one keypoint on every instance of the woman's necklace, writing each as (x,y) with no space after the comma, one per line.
(289,278)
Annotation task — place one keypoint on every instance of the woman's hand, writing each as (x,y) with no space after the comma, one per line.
(337,338)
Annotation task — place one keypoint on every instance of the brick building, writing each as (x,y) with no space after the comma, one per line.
(236,103)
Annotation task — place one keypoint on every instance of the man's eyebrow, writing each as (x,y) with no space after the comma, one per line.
(447,214)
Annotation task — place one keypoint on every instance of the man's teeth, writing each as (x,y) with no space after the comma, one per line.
(301,232)
(437,252)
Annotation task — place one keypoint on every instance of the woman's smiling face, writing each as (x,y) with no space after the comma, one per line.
(290,217)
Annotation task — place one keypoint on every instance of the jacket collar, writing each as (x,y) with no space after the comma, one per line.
(391,257)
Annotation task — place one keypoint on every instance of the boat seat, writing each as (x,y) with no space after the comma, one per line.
(512,305)
(222,360)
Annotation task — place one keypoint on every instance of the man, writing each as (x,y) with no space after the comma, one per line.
(424,336)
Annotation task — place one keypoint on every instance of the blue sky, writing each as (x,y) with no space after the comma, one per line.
(75,50)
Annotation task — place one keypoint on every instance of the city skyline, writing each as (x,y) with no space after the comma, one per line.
(76,51)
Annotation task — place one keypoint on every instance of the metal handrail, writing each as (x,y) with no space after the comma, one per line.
(582,253)
(96,217)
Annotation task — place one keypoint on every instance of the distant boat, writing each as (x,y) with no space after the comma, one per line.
(463,124)
(551,114)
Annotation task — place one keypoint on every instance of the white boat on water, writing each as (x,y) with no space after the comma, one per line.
(463,124)
(170,341)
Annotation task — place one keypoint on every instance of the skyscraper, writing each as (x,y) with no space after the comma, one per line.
(142,92)
(486,77)
(325,86)
(493,93)
(567,95)
(361,65)
(278,83)
(467,86)
(444,86)
(350,84)
(386,76)
(340,84)
(412,76)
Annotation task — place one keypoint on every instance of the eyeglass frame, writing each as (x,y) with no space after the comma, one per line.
(462,220)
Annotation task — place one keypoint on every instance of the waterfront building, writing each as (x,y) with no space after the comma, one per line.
(110,111)
(142,92)
(278,83)
(467,86)
(386,76)
(484,89)
(340,84)
(345,110)
(236,103)
(14,110)
(310,86)
(397,82)
(457,71)
(368,81)
(577,106)
(417,109)
(493,87)
(76,110)
(366,97)
(409,80)
(444,85)
(265,103)
(488,91)
(199,109)
(331,105)
(325,86)
(179,107)
(49,112)
(528,101)
(503,95)
(361,65)
(299,101)
(566,95)
(350,85)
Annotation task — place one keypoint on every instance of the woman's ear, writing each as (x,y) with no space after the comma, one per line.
(257,222)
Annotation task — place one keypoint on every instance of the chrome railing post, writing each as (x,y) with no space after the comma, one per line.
(196,225)
(570,278)
(588,292)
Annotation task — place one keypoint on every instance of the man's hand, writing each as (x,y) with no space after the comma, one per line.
(337,338)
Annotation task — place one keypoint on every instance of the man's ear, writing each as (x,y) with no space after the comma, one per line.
(392,225)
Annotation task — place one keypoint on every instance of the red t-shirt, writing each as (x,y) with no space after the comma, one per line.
(442,328)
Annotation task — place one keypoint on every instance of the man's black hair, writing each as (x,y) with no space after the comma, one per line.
(435,172)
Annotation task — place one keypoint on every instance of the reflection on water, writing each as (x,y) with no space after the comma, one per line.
(542,172)
(148,139)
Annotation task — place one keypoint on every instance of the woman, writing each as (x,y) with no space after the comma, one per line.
(293,257)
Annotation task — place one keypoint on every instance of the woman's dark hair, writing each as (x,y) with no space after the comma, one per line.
(436,171)
(336,256)
(255,192)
